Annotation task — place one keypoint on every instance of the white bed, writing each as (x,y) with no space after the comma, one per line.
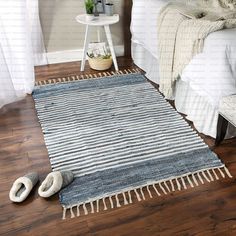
(209,76)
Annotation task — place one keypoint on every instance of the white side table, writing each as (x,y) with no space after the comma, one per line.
(101,21)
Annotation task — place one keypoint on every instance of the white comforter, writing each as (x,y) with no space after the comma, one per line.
(211,74)
(144,23)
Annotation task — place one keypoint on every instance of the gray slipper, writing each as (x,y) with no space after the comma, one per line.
(22,187)
(54,182)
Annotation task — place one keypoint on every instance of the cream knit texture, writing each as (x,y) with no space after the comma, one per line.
(181,32)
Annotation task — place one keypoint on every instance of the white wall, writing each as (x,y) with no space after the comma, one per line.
(63,36)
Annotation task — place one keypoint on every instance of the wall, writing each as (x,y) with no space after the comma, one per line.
(63,36)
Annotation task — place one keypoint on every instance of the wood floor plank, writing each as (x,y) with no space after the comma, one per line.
(209,209)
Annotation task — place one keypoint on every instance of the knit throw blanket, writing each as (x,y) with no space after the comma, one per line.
(182,29)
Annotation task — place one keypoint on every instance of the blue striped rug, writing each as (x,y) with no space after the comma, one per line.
(122,141)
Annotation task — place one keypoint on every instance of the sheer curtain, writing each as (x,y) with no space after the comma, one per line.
(21,47)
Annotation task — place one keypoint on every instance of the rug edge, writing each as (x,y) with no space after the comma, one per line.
(181,183)
(72,78)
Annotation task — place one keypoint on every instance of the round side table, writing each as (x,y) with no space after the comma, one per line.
(101,21)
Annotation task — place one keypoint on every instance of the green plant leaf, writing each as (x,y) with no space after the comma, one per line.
(89,5)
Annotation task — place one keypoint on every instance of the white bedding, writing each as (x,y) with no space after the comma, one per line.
(144,23)
(211,75)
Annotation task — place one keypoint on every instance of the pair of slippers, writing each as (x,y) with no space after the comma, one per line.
(52,184)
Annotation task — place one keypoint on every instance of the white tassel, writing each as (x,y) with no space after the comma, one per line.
(125,200)
(183,182)
(137,195)
(221,172)
(195,180)
(211,178)
(163,190)
(156,190)
(172,185)
(85,209)
(117,201)
(111,202)
(216,176)
(190,182)
(167,187)
(204,175)
(141,190)
(178,184)
(200,178)
(72,215)
(227,172)
(97,205)
(64,213)
(92,208)
(78,212)
(104,204)
(130,197)
(149,192)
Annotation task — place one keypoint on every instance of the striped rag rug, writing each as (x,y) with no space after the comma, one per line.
(122,141)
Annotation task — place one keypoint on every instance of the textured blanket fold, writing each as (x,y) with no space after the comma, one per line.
(181,33)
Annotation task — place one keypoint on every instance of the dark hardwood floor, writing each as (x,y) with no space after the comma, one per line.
(209,209)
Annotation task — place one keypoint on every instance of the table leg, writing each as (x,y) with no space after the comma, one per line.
(85,49)
(98,34)
(109,39)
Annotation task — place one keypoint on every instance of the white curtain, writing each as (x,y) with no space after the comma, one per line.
(21,48)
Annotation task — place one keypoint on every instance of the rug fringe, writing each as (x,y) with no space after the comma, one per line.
(167,185)
(73,78)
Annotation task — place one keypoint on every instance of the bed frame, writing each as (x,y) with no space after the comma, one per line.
(127,8)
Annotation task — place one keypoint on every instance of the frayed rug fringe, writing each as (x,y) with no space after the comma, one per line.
(161,187)
(86,76)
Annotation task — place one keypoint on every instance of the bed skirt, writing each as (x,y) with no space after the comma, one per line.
(196,108)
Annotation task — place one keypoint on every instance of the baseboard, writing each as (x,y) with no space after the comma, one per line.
(75,55)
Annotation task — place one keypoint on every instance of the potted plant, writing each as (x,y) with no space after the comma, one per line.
(100,61)
(89,6)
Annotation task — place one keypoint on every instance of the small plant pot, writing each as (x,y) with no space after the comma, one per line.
(89,17)
(109,9)
(100,63)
